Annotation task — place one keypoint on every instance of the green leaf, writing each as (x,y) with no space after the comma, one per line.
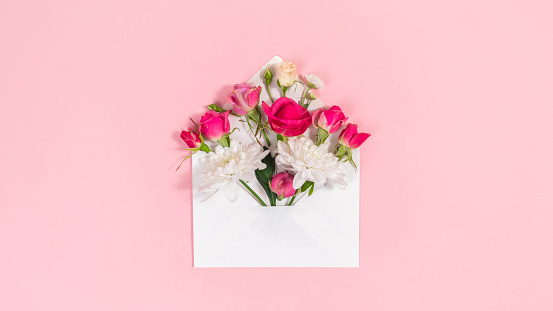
(215,108)
(264,177)
(306,185)
(311,190)
(280,137)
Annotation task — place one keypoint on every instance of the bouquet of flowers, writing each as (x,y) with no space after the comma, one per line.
(281,156)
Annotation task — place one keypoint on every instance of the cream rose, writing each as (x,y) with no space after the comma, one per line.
(286,73)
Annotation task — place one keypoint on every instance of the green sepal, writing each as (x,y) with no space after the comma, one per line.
(349,159)
(341,151)
(205,148)
(322,135)
(254,116)
(224,141)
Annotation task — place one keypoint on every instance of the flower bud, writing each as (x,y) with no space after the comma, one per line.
(350,138)
(244,97)
(191,138)
(281,184)
(286,73)
(329,119)
(268,76)
(214,126)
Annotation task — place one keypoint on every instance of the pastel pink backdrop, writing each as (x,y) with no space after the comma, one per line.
(456,208)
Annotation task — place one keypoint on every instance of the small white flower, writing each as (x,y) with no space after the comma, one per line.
(310,162)
(224,168)
(314,82)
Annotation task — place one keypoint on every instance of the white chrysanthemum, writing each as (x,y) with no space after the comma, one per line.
(314,82)
(310,162)
(224,168)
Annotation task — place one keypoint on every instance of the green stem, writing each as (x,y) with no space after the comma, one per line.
(259,124)
(308,103)
(251,129)
(269,92)
(292,200)
(253,192)
(284,89)
(304,95)
(266,137)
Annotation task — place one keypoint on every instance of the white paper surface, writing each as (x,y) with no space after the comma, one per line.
(319,231)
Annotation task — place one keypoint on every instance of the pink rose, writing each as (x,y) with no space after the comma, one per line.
(214,126)
(244,97)
(281,184)
(191,138)
(329,120)
(287,117)
(350,138)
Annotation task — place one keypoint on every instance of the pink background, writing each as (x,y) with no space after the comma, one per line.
(457,207)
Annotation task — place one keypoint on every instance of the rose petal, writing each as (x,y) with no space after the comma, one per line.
(358,139)
(252,97)
(315,115)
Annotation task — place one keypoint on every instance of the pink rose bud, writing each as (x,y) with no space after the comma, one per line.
(281,184)
(286,117)
(244,97)
(329,120)
(214,126)
(350,138)
(191,138)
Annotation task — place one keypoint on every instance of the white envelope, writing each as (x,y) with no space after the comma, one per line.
(319,231)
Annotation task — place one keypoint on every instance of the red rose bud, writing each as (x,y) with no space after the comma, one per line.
(214,126)
(329,120)
(281,184)
(286,117)
(191,138)
(350,138)
(244,97)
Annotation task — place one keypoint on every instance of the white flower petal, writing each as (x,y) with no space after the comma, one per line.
(299,179)
(231,190)
(222,168)
(309,162)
